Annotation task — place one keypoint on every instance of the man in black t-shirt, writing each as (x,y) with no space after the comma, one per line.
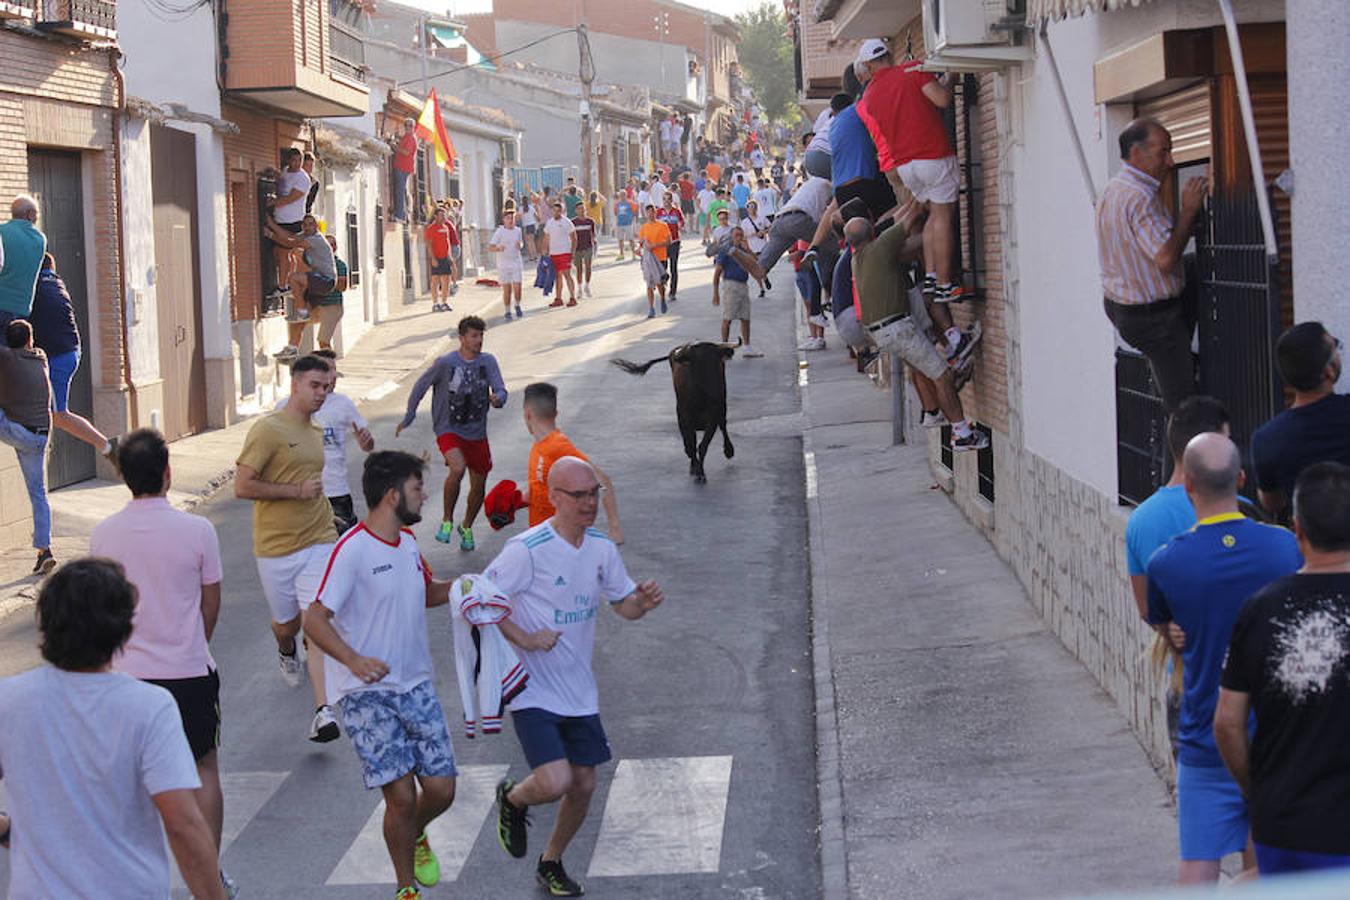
(1289,661)
(1314,428)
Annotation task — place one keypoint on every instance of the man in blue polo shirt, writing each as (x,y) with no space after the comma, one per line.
(1199,581)
(21,247)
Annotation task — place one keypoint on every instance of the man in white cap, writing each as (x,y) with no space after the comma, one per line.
(900,109)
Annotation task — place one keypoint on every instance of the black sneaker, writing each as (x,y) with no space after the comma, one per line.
(768,285)
(555,879)
(45,562)
(511,822)
(976,440)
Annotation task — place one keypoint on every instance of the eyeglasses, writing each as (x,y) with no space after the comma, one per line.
(593,494)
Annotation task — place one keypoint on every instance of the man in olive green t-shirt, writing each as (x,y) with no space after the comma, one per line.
(280,468)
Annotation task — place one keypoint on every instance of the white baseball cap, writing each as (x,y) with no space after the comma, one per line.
(871,49)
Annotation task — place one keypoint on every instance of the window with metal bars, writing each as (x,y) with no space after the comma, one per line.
(353,250)
(984,464)
(379,237)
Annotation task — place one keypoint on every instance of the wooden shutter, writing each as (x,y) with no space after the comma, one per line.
(1186,114)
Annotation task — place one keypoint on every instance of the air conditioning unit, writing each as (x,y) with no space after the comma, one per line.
(974,35)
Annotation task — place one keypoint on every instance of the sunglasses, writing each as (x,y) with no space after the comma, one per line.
(593,494)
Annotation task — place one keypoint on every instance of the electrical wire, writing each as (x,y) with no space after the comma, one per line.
(167,11)
(493,58)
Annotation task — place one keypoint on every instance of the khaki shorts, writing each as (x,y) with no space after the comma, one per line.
(902,335)
(329,316)
(735,300)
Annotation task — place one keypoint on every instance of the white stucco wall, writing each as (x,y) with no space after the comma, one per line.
(618,60)
(138,240)
(1318,40)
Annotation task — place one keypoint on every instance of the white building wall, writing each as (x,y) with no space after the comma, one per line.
(138,241)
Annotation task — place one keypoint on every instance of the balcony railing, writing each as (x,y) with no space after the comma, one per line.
(17,9)
(346,52)
(87,19)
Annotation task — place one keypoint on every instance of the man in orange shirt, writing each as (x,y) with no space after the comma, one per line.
(551,445)
(654,236)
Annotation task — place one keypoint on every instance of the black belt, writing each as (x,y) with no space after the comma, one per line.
(1138,309)
(36,430)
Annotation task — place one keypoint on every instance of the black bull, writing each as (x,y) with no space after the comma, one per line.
(699,373)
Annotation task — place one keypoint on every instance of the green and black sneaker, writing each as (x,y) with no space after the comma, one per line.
(555,879)
(511,821)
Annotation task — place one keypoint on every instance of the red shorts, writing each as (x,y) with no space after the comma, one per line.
(477,454)
(561,261)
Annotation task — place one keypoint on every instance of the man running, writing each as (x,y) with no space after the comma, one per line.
(280,468)
(653,239)
(465,383)
(671,215)
(551,445)
(555,575)
(506,242)
(561,237)
(370,618)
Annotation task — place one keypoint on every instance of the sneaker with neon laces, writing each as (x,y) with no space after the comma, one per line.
(292,668)
(554,879)
(445,532)
(408,893)
(465,537)
(324,728)
(426,867)
(512,821)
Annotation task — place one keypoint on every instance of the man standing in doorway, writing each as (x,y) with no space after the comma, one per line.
(22,247)
(555,575)
(1140,245)
(464,384)
(442,239)
(25,424)
(561,236)
(280,468)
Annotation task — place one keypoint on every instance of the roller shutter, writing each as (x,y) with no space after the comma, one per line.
(1186,114)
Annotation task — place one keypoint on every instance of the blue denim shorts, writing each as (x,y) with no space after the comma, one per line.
(395,733)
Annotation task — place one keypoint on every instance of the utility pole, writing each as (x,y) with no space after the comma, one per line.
(429,159)
(586,74)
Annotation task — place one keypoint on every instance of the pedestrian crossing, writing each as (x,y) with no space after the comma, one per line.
(662,816)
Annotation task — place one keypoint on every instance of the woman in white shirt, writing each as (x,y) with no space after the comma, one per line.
(756,228)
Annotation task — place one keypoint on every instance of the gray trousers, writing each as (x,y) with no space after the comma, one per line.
(787,228)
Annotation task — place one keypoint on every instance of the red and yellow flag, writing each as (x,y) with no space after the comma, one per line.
(431,128)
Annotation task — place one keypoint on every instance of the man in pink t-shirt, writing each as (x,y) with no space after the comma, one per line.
(173,559)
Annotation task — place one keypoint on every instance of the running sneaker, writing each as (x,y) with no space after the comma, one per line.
(554,878)
(454,289)
(932,419)
(586,291)
(812,343)
(445,532)
(228,883)
(958,355)
(651,313)
(976,440)
(520,313)
(571,301)
(288,351)
(949,293)
(324,728)
(768,285)
(292,669)
(508,315)
(750,352)
(426,867)
(465,537)
(818,320)
(930,284)
(45,562)
(556,303)
(512,821)
(408,893)
(664,307)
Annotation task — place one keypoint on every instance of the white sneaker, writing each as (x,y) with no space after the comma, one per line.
(586,290)
(818,320)
(750,352)
(292,667)
(324,728)
(812,343)
(932,420)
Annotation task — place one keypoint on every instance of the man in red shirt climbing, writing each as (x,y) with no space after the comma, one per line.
(405,163)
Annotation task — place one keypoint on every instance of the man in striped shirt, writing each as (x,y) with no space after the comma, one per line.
(1140,245)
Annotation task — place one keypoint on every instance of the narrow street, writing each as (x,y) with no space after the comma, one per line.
(708,702)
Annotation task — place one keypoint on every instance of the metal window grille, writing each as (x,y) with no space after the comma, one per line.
(945,452)
(267,264)
(984,464)
(379,237)
(353,250)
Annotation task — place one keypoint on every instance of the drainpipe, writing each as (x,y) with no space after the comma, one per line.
(1249,127)
(115,54)
(1068,116)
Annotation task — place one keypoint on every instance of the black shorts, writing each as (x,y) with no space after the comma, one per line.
(442,265)
(344,516)
(292,227)
(875,192)
(198,702)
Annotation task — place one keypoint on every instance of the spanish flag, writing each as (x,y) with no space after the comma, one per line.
(431,128)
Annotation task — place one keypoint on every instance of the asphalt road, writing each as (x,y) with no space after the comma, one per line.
(708,701)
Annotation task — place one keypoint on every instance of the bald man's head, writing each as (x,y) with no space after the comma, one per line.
(857,231)
(571,473)
(1212,466)
(24,207)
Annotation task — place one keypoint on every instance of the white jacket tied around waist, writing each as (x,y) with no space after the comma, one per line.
(488,671)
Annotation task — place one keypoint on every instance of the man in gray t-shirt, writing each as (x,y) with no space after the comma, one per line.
(309,287)
(96,763)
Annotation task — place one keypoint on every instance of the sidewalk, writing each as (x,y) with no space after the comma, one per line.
(204,463)
(963,751)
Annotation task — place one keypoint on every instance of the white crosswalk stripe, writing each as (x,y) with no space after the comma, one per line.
(246,793)
(452,835)
(663,817)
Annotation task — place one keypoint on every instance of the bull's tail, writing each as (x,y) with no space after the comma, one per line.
(633,368)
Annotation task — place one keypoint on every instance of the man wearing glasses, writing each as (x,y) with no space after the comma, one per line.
(555,576)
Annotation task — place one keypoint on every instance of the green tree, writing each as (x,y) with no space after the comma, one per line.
(765,54)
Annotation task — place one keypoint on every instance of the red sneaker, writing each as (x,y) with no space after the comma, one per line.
(557,302)
(572,301)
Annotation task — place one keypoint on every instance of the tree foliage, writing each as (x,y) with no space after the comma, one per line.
(766,56)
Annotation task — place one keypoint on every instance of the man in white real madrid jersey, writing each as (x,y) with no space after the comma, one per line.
(555,575)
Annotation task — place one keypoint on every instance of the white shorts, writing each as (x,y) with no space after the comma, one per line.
(932,180)
(291,582)
(509,272)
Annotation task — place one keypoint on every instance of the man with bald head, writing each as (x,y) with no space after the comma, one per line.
(22,247)
(1200,580)
(555,575)
(1140,246)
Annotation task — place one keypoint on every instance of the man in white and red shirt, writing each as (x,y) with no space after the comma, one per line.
(173,559)
(900,110)
(370,619)
(561,236)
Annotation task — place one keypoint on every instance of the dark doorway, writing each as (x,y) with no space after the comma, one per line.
(54,181)
(173,161)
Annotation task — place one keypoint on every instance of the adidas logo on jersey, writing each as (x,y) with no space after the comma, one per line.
(561,582)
